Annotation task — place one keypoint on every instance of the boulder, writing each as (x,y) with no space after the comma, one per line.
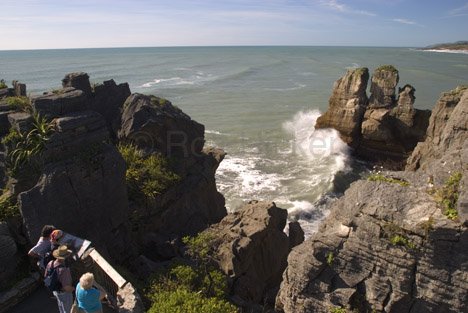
(347,105)
(20,121)
(20,89)
(154,124)
(108,100)
(60,102)
(78,80)
(251,248)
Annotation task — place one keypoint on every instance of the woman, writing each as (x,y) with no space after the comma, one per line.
(88,297)
(43,247)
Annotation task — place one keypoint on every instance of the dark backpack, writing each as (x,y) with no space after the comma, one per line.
(47,258)
(51,279)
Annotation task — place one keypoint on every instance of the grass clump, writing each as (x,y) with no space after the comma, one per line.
(197,287)
(391,180)
(447,196)
(3,84)
(147,177)
(25,149)
(20,103)
(158,101)
(397,236)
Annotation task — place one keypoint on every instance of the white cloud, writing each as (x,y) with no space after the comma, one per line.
(335,5)
(460,11)
(406,22)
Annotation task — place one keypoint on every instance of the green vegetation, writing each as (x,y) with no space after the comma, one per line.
(8,207)
(401,240)
(447,196)
(25,149)
(397,235)
(3,84)
(386,67)
(427,226)
(20,103)
(197,287)
(338,309)
(158,101)
(391,180)
(147,177)
(330,258)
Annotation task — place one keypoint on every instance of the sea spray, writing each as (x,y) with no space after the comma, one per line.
(296,171)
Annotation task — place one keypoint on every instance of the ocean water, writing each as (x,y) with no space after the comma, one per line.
(258,103)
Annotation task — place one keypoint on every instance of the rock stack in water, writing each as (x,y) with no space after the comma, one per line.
(381,127)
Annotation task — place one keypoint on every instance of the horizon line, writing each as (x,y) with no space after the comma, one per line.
(206,46)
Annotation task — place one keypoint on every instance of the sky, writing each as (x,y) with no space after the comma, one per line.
(50,24)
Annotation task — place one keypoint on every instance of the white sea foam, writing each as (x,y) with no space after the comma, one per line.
(316,145)
(353,66)
(446,51)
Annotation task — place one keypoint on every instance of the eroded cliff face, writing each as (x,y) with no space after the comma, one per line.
(389,244)
(383,127)
(79,182)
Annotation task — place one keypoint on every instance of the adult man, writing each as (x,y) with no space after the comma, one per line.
(64,294)
(42,247)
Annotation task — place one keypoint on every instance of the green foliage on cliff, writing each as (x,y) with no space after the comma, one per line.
(330,258)
(196,287)
(391,180)
(147,177)
(25,149)
(8,207)
(20,103)
(338,309)
(447,196)
(387,68)
(400,240)
(3,84)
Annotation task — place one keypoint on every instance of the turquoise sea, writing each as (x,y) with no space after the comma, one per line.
(257,103)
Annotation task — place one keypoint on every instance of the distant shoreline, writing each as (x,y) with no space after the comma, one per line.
(456,47)
(458,51)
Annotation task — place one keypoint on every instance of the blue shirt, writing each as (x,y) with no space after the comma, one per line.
(88,299)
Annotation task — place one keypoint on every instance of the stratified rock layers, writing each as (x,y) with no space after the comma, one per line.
(381,127)
(387,246)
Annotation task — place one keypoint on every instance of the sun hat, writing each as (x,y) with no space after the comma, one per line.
(62,252)
(56,235)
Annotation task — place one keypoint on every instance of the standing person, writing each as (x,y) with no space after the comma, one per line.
(88,297)
(42,247)
(55,237)
(64,290)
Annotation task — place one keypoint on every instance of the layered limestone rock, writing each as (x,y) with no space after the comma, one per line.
(156,126)
(387,245)
(347,105)
(382,127)
(251,248)
(8,256)
(448,125)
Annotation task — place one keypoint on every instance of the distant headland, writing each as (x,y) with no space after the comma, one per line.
(455,47)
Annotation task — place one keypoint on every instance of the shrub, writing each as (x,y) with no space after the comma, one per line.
(147,177)
(8,207)
(391,180)
(21,103)
(25,149)
(447,196)
(387,67)
(195,287)
(182,300)
(3,84)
